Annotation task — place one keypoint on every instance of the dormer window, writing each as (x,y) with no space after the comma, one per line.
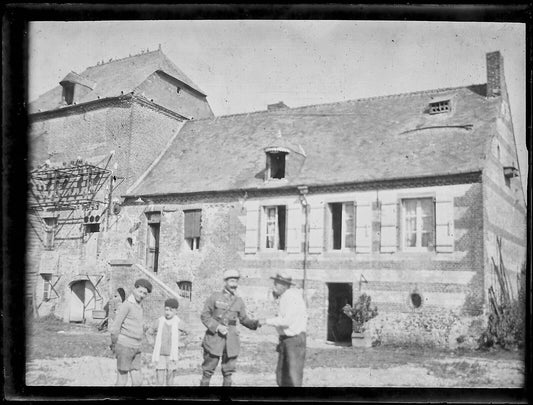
(276,165)
(438,107)
(68,93)
(75,87)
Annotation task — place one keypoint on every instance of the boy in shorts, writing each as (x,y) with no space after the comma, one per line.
(167,340)
(127,332)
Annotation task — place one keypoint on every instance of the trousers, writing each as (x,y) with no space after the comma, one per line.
(210,363)
(291,358)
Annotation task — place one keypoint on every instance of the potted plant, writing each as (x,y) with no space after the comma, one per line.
(362,311)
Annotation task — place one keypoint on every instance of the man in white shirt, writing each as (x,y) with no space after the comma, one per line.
(291,325)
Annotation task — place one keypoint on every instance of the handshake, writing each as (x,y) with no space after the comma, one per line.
(223,329)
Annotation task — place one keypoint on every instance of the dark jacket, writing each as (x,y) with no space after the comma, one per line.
(214,314)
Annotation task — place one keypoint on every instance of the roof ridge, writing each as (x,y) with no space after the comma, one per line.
(389,96)
(143,52)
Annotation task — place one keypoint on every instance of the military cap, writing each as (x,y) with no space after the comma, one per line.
(231,273)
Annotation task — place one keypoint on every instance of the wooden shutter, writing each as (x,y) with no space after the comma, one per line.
(389,224)
(444,223)
(363,227)
(316,228)
(294,227)
(192,223)
(252,227)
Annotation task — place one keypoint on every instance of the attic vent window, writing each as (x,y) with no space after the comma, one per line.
(276,165)
(439,107)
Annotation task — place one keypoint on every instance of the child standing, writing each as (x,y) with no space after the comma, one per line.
(127,332)
(167,329)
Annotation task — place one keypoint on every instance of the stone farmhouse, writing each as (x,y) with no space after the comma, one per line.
(409,198)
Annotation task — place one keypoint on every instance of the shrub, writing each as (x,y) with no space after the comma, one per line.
(506,322)
(361,312)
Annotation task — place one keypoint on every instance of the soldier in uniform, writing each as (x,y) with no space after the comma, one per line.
(220,314)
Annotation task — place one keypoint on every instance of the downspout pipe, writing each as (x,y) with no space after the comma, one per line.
(303,190)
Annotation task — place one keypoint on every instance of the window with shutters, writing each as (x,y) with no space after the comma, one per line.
(275,227)
(192,225)
(418,224)
(342,225)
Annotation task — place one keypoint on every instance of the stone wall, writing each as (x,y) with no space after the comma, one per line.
(446,281)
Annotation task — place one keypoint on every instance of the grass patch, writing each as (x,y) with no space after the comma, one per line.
(469,371)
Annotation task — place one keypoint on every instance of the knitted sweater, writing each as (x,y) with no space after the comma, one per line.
(127,328)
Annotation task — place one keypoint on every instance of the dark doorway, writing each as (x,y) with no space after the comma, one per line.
(339,325)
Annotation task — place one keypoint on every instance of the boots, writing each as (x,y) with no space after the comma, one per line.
(204,382)
(226,382)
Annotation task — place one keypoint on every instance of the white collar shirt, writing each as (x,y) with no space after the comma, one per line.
(292,314)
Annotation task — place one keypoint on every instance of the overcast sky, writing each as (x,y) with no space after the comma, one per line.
(243,65)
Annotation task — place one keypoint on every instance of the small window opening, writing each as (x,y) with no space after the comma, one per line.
(91,223)
(185,289)
(439,107)
(47,286)
(50,225)
(92,228)
(509,172)
(416,300)
(276,164)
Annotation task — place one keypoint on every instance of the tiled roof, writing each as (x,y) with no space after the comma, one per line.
(112,78)
(370,139)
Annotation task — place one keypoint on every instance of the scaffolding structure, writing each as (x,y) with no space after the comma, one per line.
(68,194)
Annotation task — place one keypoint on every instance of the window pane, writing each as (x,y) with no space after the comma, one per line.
(410,239)
(348,225)
(427,206)
(426,239)
(410,207)
(427,224)
(271,227)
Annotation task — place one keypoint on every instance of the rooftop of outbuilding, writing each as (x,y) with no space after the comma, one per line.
(115,77)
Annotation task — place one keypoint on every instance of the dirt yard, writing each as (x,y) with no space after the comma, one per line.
(62,354)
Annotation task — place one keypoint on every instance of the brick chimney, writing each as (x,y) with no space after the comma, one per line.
(276,107)
(495,77)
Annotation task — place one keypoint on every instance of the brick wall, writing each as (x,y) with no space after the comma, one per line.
(163,90)
(504,206)
(138,135)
